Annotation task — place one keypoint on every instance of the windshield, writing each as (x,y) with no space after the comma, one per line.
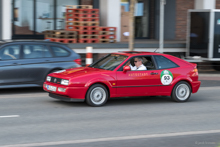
(110,62)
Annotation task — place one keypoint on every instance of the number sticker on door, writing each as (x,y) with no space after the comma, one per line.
(166,77)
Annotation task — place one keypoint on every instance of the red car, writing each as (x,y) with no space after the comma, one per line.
(117,75)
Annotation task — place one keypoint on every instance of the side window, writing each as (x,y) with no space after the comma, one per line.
(10,52)
(36,51)
(163,62)
(59,52)
(145,61)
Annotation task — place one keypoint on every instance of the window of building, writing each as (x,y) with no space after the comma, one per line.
(142,17)
(32,17)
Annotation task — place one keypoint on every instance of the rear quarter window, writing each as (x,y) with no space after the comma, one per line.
(163,62)
(60,52)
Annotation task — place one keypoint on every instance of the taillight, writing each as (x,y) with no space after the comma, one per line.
(195,70)
(78,61)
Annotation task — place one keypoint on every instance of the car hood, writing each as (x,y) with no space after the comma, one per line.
(75,72)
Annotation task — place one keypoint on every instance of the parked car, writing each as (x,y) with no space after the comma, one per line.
(112,77)
(27,63)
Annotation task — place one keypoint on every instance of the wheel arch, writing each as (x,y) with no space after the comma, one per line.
(101,83)
(182,80)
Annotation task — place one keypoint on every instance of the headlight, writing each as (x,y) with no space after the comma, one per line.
(48,78)
(64,82)
(61,89)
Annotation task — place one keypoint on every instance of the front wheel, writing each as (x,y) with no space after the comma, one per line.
(181,92)
(97,95)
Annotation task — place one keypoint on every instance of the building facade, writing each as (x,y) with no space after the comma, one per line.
(27,19)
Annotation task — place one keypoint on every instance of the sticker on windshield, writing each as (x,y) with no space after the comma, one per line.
(166,77)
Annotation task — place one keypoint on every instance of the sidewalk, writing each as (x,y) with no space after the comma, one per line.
(209,77)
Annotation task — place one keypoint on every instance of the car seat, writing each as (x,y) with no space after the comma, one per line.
(149,64)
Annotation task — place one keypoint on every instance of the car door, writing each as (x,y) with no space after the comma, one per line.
(35,62)
(137,82)
(11,72)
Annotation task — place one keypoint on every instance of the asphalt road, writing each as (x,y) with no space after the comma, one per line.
(28,117)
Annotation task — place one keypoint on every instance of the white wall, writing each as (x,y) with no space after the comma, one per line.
(0,20)
(205,4)
(110,15)
(6,19)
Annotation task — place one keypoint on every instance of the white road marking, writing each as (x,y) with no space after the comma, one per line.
(24,95)
(9,116)
(115,138)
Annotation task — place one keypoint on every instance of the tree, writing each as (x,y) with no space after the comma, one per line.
(131,25)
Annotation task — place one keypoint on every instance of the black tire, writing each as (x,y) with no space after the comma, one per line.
(181,92)
(97,95)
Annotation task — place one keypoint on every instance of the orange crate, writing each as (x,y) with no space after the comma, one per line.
(80,11)
(84,40)
(107,36)
(72,28)
(53,39)
(94,36)
(96,19)
(84,32)
(107,28)
(94,28)
(71,41)
(61,40)
(70,10)
(69,23)
(69,14)
(86,11)
(70,18)
(94,40)
(93,15)
(107,40)
(94,11)
(107,33)
(84,36)
(94,32)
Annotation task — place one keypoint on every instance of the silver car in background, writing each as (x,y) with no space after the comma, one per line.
(27,63)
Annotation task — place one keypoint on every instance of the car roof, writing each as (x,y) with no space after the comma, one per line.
(4,42)
(136,53)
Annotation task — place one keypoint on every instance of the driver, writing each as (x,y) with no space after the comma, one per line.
(138,62)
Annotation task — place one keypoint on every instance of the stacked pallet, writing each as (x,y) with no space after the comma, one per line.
(82,26)
(107,34)
(85,21)
(61,36)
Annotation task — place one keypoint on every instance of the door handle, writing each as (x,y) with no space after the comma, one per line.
(154,73)
(16,63)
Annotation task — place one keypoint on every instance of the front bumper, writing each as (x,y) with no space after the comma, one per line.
(64,98)
(71,93)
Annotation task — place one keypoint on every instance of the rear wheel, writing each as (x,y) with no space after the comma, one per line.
(97,95)
(181,92)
